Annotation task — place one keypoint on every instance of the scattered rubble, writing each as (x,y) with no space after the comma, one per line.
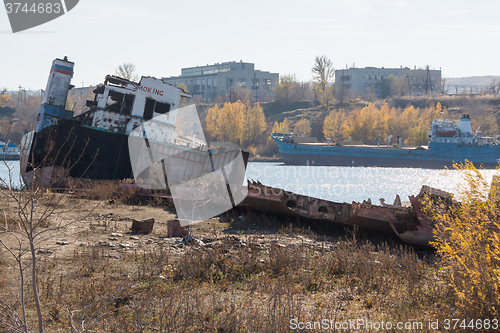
(142,226)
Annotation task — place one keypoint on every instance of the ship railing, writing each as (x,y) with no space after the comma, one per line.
(286,132)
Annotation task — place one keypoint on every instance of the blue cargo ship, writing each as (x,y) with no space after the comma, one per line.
(450,141)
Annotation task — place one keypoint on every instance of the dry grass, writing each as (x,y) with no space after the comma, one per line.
(240,283)
(248,274)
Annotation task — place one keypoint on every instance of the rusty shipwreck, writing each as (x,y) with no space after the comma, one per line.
(407,222)
(131,130)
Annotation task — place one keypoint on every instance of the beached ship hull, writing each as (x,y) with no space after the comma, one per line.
(126,119)
(407,222)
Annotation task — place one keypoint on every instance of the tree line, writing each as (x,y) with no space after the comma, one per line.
(370,123)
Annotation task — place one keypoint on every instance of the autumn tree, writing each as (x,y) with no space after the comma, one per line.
(127,71)
(254,124)
(242,94)
(445,86)
(22,111)
(323,72)
(303,126)
(183,87)
(419,135)
(284,90)
(370,123)
(467,240)
(238,122)
(4,97)
(302,91)
(283,127)
(364,124)
(335,125)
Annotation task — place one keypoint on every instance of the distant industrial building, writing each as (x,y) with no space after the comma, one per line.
(226,79)
(370,81)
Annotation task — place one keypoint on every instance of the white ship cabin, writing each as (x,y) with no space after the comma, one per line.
(121,105)
(461,133)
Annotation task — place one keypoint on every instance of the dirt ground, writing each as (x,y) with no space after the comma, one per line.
(242,271)
(107,224)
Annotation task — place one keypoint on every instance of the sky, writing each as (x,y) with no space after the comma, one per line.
(460,37)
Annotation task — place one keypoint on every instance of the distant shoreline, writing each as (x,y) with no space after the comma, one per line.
(259,158)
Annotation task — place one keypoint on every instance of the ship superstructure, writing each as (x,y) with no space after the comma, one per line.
(95,144)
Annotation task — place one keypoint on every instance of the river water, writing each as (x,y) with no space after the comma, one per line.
(342,184)
(347,184)
(9,174)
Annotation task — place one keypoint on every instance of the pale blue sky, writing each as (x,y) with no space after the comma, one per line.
(160,37)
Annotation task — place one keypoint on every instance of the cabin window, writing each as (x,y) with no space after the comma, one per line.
(118,102)
(154,106)
(115,100)
(128,103)
(162,107)
(149,108)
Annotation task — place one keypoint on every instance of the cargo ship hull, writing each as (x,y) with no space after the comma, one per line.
(436,156)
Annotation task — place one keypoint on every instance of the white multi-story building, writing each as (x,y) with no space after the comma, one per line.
(370,80)
(225,79)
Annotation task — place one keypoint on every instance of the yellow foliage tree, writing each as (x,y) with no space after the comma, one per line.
(254,123)
(283,127)
(4,97)
(419,136)
(334,126)
(364,126)
(236,122)
(370,123)
(468,241)
(212,126)
(303,126)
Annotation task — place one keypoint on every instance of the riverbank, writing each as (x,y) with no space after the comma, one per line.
(258,158)
(243,272)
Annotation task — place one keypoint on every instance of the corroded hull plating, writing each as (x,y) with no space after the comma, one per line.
(407,222)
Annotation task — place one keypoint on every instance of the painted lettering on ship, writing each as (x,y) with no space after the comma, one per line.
(149,90)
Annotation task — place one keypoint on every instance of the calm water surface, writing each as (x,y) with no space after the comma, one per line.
(335,183)
(355,183)
(9,173)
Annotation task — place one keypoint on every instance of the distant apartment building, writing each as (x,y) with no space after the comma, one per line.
(226,79)
(370,81)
